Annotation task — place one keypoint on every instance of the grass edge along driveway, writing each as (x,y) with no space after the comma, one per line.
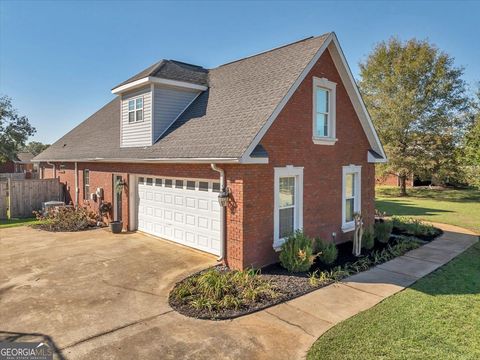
(437,318)
(8,223)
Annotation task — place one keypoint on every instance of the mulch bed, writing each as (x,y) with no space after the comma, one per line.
(288,285)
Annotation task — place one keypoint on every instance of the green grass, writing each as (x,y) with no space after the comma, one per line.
(450,206)
(17,222)
(437,318)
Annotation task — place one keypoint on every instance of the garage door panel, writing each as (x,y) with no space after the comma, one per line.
(185,215)
(190,202)
(168,215)
(178,218)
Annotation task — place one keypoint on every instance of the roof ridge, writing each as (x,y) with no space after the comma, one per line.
(185,63)
(156,67)
(273,49)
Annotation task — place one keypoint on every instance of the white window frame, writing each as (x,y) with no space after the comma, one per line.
(288,171)
(86,195)
(357,204)
(331,87)
(135,109)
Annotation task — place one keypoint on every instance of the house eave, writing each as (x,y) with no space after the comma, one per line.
(163,160)
(154,80)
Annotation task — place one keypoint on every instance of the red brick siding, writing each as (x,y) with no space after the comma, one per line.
(392,180)
(289,142)
(7,167)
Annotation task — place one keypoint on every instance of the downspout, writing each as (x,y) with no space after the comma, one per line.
(76,184)
(222,213)
(54,169)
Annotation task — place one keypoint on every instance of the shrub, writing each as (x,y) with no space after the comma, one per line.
(216,289)
(66,219)
(327,251)
(383,229)
(368,239)
(403,245)
(297,254)
(413,227)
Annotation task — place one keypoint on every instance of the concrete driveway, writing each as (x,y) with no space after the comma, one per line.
(96,295)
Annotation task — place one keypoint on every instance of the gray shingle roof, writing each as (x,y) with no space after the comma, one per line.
(24,157)
(220,123)
(172,70)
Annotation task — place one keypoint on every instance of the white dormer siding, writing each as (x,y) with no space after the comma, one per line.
(169,102)
(137,133)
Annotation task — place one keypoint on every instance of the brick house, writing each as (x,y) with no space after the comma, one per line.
(282,137)
(20,163)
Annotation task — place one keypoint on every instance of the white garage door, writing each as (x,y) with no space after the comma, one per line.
(181,210)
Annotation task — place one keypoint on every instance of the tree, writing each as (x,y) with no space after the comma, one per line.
(471,149)
(416,98)
(14,129)
(35,147)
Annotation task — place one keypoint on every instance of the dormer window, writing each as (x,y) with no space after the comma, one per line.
(324,96)
(135,110)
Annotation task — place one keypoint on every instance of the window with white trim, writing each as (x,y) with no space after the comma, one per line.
(288,203)
(86,184)
(135,110)
(351,195)
(324,111)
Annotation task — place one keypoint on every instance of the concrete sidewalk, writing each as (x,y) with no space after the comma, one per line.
(326,307)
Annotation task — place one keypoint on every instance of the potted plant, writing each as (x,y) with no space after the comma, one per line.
(117,225)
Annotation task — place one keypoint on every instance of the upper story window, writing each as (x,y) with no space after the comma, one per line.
(324,111)
(135,110)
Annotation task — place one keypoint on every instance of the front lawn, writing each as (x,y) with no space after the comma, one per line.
(450,206)
(437,318)
(17,222)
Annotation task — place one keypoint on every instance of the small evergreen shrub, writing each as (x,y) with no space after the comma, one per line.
(297,254)
(377,257)
(327,252)
(383,229)
(368,238)
(413,227)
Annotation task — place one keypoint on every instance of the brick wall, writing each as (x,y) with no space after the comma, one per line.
(289,142)
(7,167)
(392,180)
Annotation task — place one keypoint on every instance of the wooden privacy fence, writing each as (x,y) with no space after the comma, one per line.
(19,198)
(16,176)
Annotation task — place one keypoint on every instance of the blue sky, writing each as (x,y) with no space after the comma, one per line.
(59,60)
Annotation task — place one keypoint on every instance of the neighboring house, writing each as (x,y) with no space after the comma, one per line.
(21,163)
(393,180)
(286,130)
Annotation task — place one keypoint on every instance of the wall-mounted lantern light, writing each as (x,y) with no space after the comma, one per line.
(223,197)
